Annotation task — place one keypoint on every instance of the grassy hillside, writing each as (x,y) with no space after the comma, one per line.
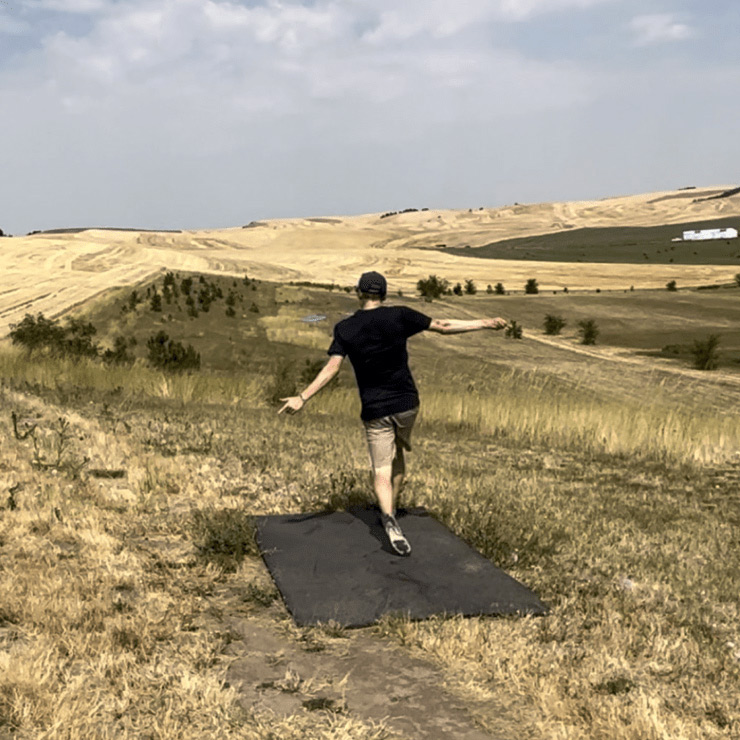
(609,488)
(617,244)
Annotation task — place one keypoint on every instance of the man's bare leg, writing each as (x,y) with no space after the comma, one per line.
(387,482)
(398,471)
(384,488)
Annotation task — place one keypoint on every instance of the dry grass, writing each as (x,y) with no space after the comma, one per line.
(622,516)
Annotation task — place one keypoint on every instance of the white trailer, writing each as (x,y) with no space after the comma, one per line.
(703,234)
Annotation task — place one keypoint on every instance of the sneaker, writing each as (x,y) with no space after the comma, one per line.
(398,542)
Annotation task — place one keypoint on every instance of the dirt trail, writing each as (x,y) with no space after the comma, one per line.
(360,674)
(623,355)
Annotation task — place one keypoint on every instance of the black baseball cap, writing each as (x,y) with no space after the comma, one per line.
(372,283)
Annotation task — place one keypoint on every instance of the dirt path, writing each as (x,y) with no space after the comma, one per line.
(624,355)
(357,673)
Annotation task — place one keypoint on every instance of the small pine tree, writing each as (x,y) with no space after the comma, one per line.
(119,355)
(671,286)
(470,288)
(706,355)
(531,287)
(433,287)
(499,289)
(230,312)
(489,289)
(554,324)
(166,354)
(155,303)
(283,382)
(457,290)
(513,331)
(254,308)
(588,330)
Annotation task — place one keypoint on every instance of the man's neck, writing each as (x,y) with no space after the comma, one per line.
(369,305)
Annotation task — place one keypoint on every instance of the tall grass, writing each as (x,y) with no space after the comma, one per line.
(134,381)
(526,408)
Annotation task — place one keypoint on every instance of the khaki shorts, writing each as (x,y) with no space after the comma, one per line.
(385,433)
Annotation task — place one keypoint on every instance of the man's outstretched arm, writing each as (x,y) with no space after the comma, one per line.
(457,326)
(296,403)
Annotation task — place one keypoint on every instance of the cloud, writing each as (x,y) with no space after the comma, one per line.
(659,28)
(437,18)
(13,26)
(71,6)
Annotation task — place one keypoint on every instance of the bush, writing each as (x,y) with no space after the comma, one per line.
(671,285)
(470,288)
(133,300)
(489,289)
(254,308)
(37,333)
(223,536)
(457,290)
(554,324)
(78,339)
(499,289)
(531,287)
(588,330)
(513,331)
(155,304)
(433,287)
(283,382)
(706,355)
(186,286)
(167,354)
(119,355)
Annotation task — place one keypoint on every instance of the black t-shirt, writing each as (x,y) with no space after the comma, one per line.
(375,342)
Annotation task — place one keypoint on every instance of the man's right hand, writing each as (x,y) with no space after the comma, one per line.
(497,323)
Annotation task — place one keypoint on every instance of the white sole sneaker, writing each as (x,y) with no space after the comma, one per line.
(395,536)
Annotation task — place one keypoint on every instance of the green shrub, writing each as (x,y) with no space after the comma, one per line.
(37,333)
(74,340)
(588,330)
(78,339)
(167,354)
(706,354)
(513,331)
(433,287)
(224,536)
(671,285)
(283,382)
(119,355)
(531,287)
(155,303)
(470,288)
(499,289)
(457,290)
(554,324)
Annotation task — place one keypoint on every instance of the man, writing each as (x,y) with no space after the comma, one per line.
(374,339)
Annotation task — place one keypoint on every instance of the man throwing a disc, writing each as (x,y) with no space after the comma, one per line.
(374,339)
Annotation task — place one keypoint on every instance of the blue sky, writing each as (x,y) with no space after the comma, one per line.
(213,113)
